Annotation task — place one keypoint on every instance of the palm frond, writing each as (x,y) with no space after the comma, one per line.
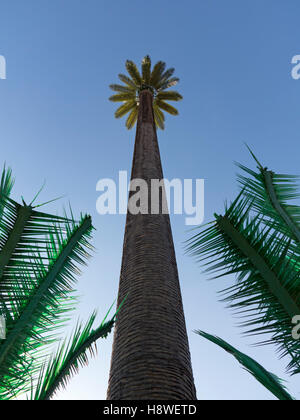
(6,185)
(122,89)
(165,77)
(268,280)
(126,107)
(146,69)
(169,83)
(39,261)
(159,117)
(270,193)
(129,82)
(70,356)
(267,379)
(156,73)
(167,74)
(170,95)
(166,107)
(132,117)
(134,73)
(122,97)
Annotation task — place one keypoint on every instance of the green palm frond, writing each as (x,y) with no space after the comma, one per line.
(166,107)
(170,95)
(125,79)
(126,107)
(167,74)
(70,356)
(40,306)
(122,97)
(39,257)
(159,117)
(156,80)
(156,73)
(169,83)
(267,379)
(248,242)
(6,185)
(121,89)
(132,117)
(165,77)
(134,73)
(146,69)
(270,194)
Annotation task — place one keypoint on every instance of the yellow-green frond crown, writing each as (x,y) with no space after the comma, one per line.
(157,80)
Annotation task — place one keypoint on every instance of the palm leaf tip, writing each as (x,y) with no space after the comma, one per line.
(267,379)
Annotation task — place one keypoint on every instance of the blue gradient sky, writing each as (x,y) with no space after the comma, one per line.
(234,61)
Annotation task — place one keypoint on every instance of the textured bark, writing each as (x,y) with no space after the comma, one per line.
(150,358)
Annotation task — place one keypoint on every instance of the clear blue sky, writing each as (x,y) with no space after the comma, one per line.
(234,61)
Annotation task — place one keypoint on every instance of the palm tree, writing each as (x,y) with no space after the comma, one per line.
(150,358)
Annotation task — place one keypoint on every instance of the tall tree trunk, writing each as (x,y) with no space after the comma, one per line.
(150,358)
